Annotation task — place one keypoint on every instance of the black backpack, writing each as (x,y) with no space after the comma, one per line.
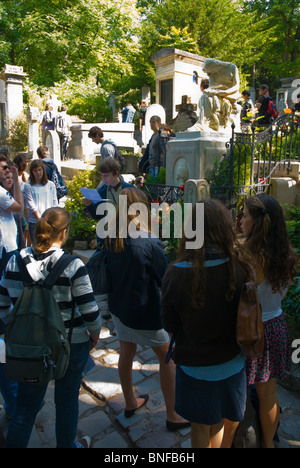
(37,346)
(49,118)
(56,178)
(97,271)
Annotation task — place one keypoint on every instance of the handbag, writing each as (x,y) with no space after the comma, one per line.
(97,270)
(250,329)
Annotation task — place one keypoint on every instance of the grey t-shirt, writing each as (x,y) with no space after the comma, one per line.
(108,149)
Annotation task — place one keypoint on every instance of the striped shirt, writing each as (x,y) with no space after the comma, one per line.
(73,284)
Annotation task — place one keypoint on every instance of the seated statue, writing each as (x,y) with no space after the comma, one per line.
(218,103)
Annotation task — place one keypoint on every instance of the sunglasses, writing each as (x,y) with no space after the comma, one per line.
(4,167)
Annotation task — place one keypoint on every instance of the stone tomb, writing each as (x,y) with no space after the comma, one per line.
(82,147)
(177,73)
(193,155)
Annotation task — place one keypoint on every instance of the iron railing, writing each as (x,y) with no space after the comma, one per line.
(253,158)
(160,193)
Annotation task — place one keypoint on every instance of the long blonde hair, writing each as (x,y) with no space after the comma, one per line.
(134,195)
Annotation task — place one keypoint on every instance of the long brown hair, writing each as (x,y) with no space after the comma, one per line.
(218,233)
(268,244)
(134,195)
(48,228)
(37,163)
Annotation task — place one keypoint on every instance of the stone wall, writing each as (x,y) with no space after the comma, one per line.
(82,147)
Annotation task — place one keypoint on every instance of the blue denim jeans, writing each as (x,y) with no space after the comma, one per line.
(30,401)
(31,228)
(8,389)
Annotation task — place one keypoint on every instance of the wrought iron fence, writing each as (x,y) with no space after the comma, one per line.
(160,193)
(253,158)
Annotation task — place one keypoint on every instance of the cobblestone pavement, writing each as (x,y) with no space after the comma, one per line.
(101,407)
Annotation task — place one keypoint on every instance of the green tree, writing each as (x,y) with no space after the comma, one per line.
(280,30)
(58,39)
(72,45)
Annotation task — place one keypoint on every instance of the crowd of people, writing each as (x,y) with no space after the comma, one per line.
(186,311)
(262,113)
(56,121)
(191,303)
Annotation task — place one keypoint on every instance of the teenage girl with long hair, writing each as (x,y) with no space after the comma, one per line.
(135,268)
(73,286)
(40,194)
(275,263)
(200,297)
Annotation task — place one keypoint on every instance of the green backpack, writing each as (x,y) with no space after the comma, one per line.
(37,346)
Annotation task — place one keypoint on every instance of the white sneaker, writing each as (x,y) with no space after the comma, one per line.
(85,442)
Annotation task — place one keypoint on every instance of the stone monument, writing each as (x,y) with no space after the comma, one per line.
(286,95)
(53,144)
(196,190)
(177,73)
(218,103)
(154,109)
(186,116)
(33,117)
(12,77)
(194,153)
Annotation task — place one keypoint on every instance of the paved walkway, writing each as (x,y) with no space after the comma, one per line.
(101,407)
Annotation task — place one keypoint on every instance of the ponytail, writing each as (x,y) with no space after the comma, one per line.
(49,227)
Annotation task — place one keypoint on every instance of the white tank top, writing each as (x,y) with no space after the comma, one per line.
(270,302)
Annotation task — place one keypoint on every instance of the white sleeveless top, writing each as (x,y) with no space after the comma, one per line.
(270,302)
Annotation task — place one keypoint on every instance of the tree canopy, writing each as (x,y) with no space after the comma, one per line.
(86,49)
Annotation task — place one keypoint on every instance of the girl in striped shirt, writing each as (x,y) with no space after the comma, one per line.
(73,285)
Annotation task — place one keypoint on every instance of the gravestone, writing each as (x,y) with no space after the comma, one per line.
(193,155)
(82,147)
(288,92)
(33,117)
(186,116)
(12,90)
(196,190)
(53,144)
(154,109)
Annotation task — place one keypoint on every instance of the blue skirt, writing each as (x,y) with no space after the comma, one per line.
(206,402)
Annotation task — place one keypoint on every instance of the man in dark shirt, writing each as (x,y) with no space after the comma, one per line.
(262,105)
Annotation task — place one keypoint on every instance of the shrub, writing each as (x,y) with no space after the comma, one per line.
(17,128)
(82,227)
(291,303)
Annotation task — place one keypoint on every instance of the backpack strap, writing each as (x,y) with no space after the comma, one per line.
(26,278)
(53,276)
(57,270)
